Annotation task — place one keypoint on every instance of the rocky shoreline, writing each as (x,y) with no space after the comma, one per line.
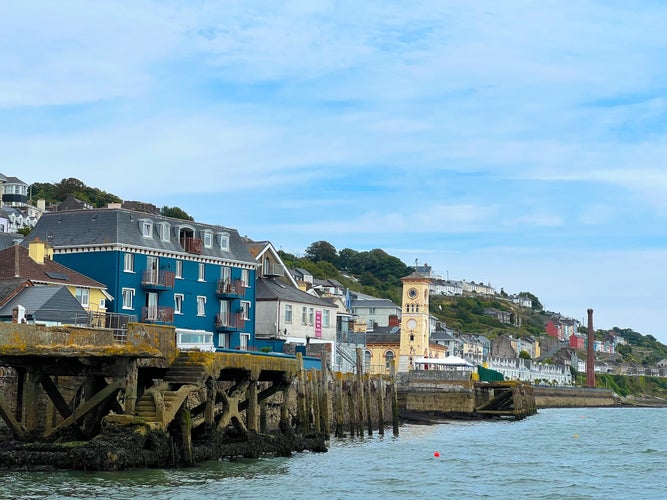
(132,444)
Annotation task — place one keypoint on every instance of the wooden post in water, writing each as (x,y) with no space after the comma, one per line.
(131,387)
(209,410)
(359,393)
(369,407)
(324,397)
(285,424)
(31,399)
(315,399)
(301,397)
(380,402)
(252,413)
(352,414)
(394,396)
(340,432)
(186,434)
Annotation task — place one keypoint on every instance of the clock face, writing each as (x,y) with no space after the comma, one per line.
(412,293)
(411,324)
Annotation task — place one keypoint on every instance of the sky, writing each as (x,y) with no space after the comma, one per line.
(517,143)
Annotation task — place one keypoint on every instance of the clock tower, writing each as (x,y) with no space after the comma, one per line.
(415,328)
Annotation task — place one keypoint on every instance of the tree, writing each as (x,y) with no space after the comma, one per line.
(175,212)
(524,354)
(322,250)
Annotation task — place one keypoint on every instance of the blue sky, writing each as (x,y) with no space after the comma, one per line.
(517,143)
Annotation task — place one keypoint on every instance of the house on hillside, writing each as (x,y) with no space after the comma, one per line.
(200,278)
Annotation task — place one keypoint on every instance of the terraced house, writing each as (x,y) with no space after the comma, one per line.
(198,277)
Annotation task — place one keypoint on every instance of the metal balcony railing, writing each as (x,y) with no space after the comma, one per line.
(192,245)
(227,322)
(158,279)
(157,314)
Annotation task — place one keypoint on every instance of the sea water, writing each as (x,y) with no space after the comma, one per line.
(610,453)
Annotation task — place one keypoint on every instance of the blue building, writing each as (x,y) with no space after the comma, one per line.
(197,277)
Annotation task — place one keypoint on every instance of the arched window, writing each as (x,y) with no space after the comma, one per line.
(367,359)
(388,358)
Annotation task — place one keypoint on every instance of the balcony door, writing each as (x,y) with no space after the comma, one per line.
(151,306)
(152,266)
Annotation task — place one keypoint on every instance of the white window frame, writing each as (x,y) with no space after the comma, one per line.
(288,314)
(326,318)
(147,229)
(201,272)
(224,241)
(244,340)
(223,340)
(208,239)
(304,315)
(245,309)
(83,296)
(103,303)
(224,312)
(245,278)
(201,305)
(128,298)
(178,303)
(128,262)
(179,269)
(164,230)
(311,315)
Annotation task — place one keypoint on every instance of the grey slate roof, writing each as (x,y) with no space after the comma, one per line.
(7,239)
(10,287)
(120,226)
(46,303)
(269,289)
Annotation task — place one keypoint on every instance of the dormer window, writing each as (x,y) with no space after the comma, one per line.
(163,229)
(224,241)
(208,239)
(146,228)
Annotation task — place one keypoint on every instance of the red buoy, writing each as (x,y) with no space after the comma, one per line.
(436,454)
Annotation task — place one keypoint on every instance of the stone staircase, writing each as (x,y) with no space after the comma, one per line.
(184,371)
(181,379)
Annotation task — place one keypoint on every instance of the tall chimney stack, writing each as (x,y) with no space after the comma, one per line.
(590,358)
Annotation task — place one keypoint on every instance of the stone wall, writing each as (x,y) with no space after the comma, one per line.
(572,397)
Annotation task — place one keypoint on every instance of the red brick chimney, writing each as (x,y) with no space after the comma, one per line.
(590,358)
(393,320)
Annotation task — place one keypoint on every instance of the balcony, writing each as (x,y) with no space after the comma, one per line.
(229,322)
(192,245)
(158,279)
(157,314)
(230,288)
(269,270)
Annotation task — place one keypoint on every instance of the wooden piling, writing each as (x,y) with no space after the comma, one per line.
(379,384)
(252,413)
(359,392)
(369,407)
(285,424)
(340,432)
(394,396)
(302,414)
(324,397)
(315,400)
(352,414)
(185,424)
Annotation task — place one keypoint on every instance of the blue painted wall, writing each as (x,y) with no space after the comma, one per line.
(107,268)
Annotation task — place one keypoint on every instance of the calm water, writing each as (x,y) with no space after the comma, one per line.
(559,453)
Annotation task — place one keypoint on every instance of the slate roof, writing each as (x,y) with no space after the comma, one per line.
(383,338)
(50,272)
(269,289)
(46,303)
(108,226)
(10,287)
(8,239)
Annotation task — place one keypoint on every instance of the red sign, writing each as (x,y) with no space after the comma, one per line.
(318,324)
